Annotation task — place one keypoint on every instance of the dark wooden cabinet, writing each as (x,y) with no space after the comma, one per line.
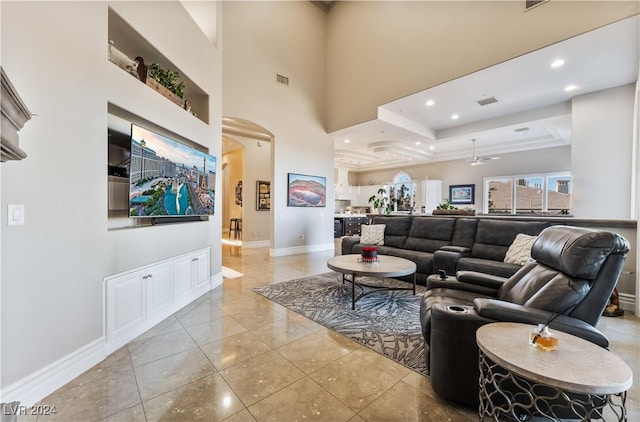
(351,225)
(337,227)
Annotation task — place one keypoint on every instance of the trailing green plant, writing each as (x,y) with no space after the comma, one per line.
(167,78)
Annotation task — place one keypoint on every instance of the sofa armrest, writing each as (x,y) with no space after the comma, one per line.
(459,249)
(481,279)
(446,258)
(502,311)
(450,283)
(347,244)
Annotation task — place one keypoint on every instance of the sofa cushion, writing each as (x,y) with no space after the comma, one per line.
(576,251)
(520,250)
(396,230)
(465,232)
(428,234)
(423,260)
(372,234)
(493,237)
(539,286)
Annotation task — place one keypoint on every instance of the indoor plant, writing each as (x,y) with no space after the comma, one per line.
(166,82)
(445,207)
(380,201)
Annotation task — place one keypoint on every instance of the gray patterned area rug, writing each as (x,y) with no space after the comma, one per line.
(385,321)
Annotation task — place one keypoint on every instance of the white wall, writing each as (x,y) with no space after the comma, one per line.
(379,51)
(602,153)
(262,39)
(53,266)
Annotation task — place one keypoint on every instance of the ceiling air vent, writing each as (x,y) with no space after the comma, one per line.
(282,79)
(487,101)
(521,129)
(530,4)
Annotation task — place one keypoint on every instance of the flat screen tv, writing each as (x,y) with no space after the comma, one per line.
(168,178)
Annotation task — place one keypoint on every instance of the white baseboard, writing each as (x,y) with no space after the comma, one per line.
(36,386)
(301,249)
(627,302)
(33,388)
(216,280)
(256,244)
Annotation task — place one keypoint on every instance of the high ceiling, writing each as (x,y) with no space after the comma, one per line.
(532,111)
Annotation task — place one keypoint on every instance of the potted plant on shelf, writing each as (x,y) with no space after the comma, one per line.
(380,201)
(445,207)
(165,81)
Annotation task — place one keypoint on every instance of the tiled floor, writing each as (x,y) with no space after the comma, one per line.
(233,355)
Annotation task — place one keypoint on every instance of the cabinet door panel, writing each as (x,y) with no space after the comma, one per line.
(182,277)
(125,302)
(201,268)
(158,288)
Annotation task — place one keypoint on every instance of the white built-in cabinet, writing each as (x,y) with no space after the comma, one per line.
(137,300)
(158,294)
(428,195)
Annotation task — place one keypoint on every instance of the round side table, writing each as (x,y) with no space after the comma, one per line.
(578,380)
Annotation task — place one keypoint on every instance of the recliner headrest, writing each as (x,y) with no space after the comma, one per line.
(576,251)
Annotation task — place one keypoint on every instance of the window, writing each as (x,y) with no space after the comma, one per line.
(528,194)
(499,193)
(402,192)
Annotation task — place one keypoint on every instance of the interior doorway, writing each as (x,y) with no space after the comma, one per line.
(232,192)
(247,166)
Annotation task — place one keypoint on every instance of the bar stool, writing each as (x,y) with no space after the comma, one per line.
(235,227)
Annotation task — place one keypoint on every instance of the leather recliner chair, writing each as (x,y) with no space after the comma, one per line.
(573,275)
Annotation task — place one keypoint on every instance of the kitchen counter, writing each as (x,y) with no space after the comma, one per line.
(348,215)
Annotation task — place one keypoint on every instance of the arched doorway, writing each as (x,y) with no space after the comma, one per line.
(256,145)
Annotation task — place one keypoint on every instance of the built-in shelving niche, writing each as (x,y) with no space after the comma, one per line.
(128,41)
(119,123)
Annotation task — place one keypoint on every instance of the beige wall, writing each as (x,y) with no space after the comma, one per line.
(381,51)
(53,267)
(234,161)
(260,40)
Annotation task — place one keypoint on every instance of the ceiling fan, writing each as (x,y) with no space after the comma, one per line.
(475,160)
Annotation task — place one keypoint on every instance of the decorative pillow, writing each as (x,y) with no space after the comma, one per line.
(372,234)
(520,250)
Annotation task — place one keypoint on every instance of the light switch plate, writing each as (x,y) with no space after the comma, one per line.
(15,215)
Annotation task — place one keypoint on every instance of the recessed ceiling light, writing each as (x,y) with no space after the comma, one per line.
(429,103)
(569,88)
(455,116)
(432,147)
(346,141)
(418,142)
(557,63)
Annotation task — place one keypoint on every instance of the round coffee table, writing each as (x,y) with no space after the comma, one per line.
(387,266)
(518,380)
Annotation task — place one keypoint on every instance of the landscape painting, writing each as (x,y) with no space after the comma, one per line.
(462,194)
(306,191)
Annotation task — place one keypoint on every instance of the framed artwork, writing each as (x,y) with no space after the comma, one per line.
(462,194)
(306,191)
(239,193)
(263,195)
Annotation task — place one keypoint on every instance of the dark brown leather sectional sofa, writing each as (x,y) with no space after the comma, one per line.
(449,243)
